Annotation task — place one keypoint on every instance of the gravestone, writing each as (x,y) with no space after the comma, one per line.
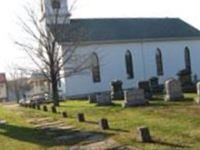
(116,90)
(64,114)
(154,84)
(173,90)
(197,99)
(34,106)
(103,99)
(147,89)
(53,109)
(185,77)
(45,108)
(92,98)
(134,97)
(144,134)
(81,117)
(103,123)
(38,106)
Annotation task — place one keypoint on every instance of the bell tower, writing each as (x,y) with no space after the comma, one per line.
(55,10)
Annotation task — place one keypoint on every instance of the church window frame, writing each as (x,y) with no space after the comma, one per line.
(159,62)
(129,65)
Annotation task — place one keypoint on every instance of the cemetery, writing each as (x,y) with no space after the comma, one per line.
(168,120)
(115,83)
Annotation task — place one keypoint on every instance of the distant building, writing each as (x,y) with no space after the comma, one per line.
(39,84)
(17,88)
(3,87)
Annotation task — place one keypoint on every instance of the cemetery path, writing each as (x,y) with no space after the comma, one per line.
(70,135)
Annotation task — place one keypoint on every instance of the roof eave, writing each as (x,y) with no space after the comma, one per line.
(135,40)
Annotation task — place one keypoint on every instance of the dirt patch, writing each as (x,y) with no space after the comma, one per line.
(103,145)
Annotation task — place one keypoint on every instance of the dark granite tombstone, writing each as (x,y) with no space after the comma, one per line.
(38,106)
(81,117)
(53,109)
(92,98)
(64,114)
(104,124)
(147,89)
(184,77)
(154,85)
(144,134)
(34,106)
(45,108)
(116,90)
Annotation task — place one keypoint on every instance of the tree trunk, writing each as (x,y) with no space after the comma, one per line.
(55,93)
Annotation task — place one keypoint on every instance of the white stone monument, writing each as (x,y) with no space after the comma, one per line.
(197,99)
(173,90)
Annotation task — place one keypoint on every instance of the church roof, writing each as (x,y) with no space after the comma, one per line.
(106,29)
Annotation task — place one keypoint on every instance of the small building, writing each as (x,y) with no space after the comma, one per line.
(39,85)
(3,87)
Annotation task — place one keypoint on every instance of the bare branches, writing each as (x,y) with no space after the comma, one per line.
(47,52)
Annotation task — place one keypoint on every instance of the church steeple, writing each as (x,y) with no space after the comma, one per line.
(55,8)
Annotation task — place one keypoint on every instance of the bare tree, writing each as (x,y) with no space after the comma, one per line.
(45,48)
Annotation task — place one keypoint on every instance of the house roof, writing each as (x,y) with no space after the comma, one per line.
(103,29)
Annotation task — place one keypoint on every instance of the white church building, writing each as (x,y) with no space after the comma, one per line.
(130,50)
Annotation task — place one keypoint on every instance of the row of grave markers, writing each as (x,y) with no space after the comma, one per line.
(143,132)
(103,123)
(140,97)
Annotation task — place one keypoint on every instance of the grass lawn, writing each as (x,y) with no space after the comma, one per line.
(173,125)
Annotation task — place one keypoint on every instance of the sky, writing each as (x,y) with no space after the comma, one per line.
(10,30)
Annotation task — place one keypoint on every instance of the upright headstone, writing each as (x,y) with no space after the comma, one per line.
(38,107)
(134,98)
(104,124)
(64,114)
(34,106)
(103,99)
(147,89)
(45,108)
(116,90)
(173,90)
(92,98)
(81,117)
(144,134)
(53,109)
(197,99)
(154,84)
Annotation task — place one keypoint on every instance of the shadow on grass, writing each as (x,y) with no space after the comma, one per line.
(42,138)
(169,144)
(91,122)
(119,130)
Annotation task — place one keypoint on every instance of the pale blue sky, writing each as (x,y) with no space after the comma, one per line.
(188,10)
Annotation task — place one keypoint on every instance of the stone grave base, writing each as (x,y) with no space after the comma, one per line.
(197,100)
(135,103)
(175,98)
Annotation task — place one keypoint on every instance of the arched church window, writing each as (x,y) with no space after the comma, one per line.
(187,59)
(129,65)
(159,62)
(95,68)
